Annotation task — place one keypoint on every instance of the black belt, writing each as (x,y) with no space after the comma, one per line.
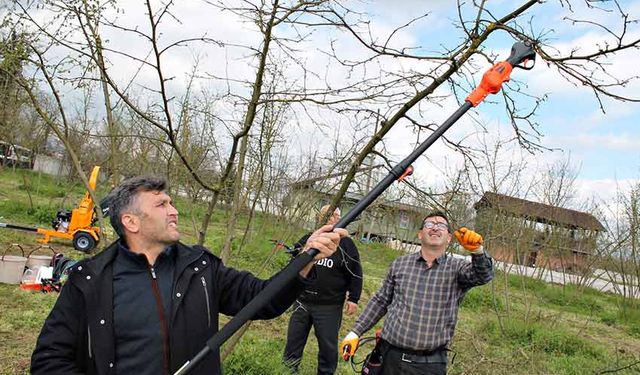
(413,356)
(435,357)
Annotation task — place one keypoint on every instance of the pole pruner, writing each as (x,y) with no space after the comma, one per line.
(491,83)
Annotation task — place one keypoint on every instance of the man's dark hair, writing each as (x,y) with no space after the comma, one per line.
(434,214)
(121,198)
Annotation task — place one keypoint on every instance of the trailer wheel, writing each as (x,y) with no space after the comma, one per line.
(83,241)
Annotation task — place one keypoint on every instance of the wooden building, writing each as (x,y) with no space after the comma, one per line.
(524,232)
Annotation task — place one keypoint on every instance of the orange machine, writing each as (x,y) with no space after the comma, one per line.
(77,225)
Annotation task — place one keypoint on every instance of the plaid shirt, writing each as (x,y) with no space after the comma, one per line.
(422,303)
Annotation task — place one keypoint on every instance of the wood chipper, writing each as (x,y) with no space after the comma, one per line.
(76,225)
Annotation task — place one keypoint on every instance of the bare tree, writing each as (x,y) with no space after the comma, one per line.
(89,20)
(587,68)
(58,122)
(12,53)
(556,186)
(621,246)
(401,93)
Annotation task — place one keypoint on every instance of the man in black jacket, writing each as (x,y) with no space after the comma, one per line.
(320,306)
(148,303)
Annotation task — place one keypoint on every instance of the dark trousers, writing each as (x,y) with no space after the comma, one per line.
(326,320)
(398,362)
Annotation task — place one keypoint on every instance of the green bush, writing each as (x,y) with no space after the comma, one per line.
(44,214)
(58,193)
(587,304)
(514,332)
(481,297)
(527,283)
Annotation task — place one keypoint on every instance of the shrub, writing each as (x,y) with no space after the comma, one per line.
(482,297)
(43,214)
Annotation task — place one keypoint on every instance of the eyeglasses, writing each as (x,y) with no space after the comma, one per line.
(436,226)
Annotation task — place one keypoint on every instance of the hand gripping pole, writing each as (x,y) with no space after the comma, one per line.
(491,84)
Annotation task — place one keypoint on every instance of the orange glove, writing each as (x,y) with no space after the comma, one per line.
(469,239)
(349,345)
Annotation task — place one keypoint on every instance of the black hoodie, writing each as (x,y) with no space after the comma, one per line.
(335,276)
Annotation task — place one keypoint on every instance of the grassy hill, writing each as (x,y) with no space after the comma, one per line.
(514,325)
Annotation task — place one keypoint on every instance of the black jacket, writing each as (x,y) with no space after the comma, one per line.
(336,275)
(78,337)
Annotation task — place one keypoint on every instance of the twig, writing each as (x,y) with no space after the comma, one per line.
(619,368)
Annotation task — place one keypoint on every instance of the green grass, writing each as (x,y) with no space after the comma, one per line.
(258,355)
(540,337)
(22,316)
(515,325)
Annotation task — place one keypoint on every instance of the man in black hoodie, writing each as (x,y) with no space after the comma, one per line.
(320,305)
(149,303)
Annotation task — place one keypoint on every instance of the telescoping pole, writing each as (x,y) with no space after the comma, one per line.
(491,83)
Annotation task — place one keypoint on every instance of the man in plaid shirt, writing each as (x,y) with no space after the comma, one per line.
(420,296)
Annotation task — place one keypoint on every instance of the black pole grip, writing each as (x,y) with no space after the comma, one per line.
(520,53)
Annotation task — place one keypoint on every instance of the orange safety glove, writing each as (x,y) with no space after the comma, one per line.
(349,345)
(469,239)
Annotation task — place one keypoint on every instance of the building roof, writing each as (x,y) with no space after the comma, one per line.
(539,212)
